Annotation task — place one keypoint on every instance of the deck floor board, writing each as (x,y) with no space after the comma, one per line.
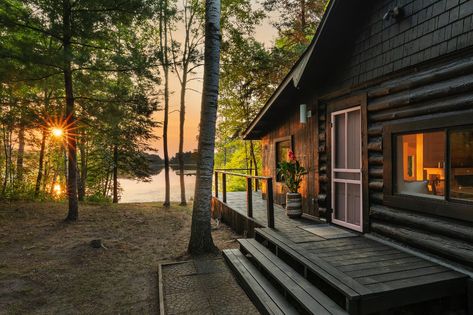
(359,264)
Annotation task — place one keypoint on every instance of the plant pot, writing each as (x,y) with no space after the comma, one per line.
(293,205)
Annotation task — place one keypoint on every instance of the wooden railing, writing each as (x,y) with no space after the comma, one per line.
(249,191)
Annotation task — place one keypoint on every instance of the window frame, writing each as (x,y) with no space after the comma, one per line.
(452,208)
(291,146)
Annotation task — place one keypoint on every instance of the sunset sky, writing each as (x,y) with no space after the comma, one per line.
(265,33)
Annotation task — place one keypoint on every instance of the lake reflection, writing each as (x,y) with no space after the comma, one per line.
(152,191)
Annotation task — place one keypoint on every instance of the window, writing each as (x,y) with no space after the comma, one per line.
(461,164)
(421,167)
(282,151)
(420,164)
(428,165)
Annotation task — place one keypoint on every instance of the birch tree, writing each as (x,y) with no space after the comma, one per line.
(201,237)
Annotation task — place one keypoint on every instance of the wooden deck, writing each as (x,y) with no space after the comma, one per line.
(361,275)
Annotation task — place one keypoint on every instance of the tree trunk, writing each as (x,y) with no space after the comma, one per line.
(73,212)
(115,174)
(253,156)
(163,40)
(201,237)
(83,169)
(7,151)
(21,154)
(40,162)
(182,117)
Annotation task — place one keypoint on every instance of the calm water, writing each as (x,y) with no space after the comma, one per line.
(133,191)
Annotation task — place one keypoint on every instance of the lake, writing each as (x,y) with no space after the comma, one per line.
(152,191)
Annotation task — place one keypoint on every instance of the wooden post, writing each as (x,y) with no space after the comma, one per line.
(216,184)
(256,184)
(224,187)
(269,202)
(249,197)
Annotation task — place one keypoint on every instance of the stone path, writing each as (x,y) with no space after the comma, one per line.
(203,287)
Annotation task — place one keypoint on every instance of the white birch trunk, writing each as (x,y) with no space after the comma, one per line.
(201,237)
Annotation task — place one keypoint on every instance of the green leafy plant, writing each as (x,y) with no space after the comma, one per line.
(291,172)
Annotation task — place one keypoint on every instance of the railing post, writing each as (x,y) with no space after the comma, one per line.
(216,184)
(249,197)
(224,187)
(256,184)
(269,202)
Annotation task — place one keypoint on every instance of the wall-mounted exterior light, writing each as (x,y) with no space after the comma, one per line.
(395,13)
(304,113)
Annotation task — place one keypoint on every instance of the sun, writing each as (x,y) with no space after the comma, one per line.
(57,132)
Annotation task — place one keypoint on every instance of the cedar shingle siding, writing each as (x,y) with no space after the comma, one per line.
(428,30)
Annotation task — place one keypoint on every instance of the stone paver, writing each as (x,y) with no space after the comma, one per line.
(204,286)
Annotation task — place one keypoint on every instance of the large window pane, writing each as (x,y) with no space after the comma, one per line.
(282,152)
(461,163)
(420,164)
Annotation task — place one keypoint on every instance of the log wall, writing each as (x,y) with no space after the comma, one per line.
(440,89)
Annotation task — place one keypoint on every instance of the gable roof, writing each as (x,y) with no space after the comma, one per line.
(338,15)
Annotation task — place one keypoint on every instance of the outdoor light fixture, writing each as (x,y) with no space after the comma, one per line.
(395,13)
(304,113)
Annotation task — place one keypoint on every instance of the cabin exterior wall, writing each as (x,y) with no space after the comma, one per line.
(419,69)
(304,145)
(430,98)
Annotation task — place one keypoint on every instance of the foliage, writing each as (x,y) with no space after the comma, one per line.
(291,172)
(112,77)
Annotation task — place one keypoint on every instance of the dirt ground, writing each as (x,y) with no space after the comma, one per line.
(47,266)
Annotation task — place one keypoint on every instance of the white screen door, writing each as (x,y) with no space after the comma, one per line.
(346,168)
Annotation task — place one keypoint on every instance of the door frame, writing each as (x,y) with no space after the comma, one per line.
(339,105)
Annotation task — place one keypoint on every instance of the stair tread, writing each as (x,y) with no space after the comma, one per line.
(310,297)
(342,282)
(268,298)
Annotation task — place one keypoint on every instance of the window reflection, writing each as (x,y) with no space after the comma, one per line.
(461,163)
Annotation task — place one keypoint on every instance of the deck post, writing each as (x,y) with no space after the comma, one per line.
(256,184)
(216,184)
(249,197)
(269,202)
(224,187)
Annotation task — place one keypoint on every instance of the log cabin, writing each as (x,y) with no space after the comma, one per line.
(379,109)
(387,132)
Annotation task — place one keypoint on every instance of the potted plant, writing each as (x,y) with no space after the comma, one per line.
(291,172)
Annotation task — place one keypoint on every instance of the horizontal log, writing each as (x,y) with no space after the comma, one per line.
(322,117)
(323,157)
(440,245)
(430,107)
(322,168)
(424,222)
(375,130)
(375,144)
(376,197)
(323,178)
(322,149)
(440,89)
(375,159)
(376,185)
(450,70)
(322,136)
(321,197)
(376,172)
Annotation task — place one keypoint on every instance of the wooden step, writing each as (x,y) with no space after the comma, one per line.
(309,299)
(334,283)
(264,295)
